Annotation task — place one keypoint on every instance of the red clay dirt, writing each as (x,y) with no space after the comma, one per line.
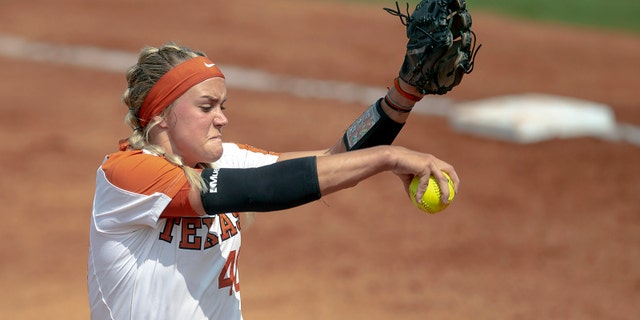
(539,231)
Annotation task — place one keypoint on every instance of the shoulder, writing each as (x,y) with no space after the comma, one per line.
(135,160)
(243,147)
(237,155)
(141,172)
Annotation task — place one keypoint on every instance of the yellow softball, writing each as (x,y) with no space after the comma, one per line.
(430,201)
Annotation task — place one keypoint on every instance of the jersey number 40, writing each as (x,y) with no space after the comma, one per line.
(229,273)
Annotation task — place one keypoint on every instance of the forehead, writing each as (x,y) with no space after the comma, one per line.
(212,87)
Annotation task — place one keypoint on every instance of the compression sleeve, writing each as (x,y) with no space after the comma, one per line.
(278,186)
(374,127)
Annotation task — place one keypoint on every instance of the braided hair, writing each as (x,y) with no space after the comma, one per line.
(152,64)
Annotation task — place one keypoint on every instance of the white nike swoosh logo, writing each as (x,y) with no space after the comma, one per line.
(209,65)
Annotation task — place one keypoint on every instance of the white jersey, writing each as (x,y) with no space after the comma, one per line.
(144,266)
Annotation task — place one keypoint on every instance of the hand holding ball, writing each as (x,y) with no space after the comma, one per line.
(430,201)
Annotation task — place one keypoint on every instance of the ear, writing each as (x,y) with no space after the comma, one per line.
(163,123)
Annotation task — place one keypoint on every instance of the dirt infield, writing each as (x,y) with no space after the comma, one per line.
(542,231)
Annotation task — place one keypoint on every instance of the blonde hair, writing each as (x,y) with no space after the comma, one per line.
(152,64)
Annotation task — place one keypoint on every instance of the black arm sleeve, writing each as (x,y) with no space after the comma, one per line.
(279,186)
(372,128)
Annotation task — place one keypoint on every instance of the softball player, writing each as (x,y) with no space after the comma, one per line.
(165,228)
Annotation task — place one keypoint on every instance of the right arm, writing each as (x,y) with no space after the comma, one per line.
(291,183)
(345,170)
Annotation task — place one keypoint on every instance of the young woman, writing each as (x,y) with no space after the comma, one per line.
(166,229)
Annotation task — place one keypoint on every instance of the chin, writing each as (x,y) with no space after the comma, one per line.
(213,149)
(214,155)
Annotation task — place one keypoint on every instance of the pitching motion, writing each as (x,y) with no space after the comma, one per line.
(441,49)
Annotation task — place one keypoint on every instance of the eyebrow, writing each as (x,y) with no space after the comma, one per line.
(211,98)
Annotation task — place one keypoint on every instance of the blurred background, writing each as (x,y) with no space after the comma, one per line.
(540,229)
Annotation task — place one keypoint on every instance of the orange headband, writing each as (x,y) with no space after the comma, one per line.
(175,83)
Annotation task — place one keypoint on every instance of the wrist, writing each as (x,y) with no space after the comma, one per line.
(396,106)
(406,90)
(392,157)
(399,99)
(387,160)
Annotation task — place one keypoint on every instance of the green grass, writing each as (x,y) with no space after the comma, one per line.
(609,14)
(623,15)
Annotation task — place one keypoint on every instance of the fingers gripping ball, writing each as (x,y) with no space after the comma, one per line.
(430,201)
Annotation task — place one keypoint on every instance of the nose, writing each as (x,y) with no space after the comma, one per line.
(220,120)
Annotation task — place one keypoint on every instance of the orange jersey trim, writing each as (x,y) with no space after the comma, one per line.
(138,172)
(256,150)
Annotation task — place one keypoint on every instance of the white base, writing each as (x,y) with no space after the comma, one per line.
(530,118)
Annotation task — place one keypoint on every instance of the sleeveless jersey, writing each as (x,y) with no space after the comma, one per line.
(142,266)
